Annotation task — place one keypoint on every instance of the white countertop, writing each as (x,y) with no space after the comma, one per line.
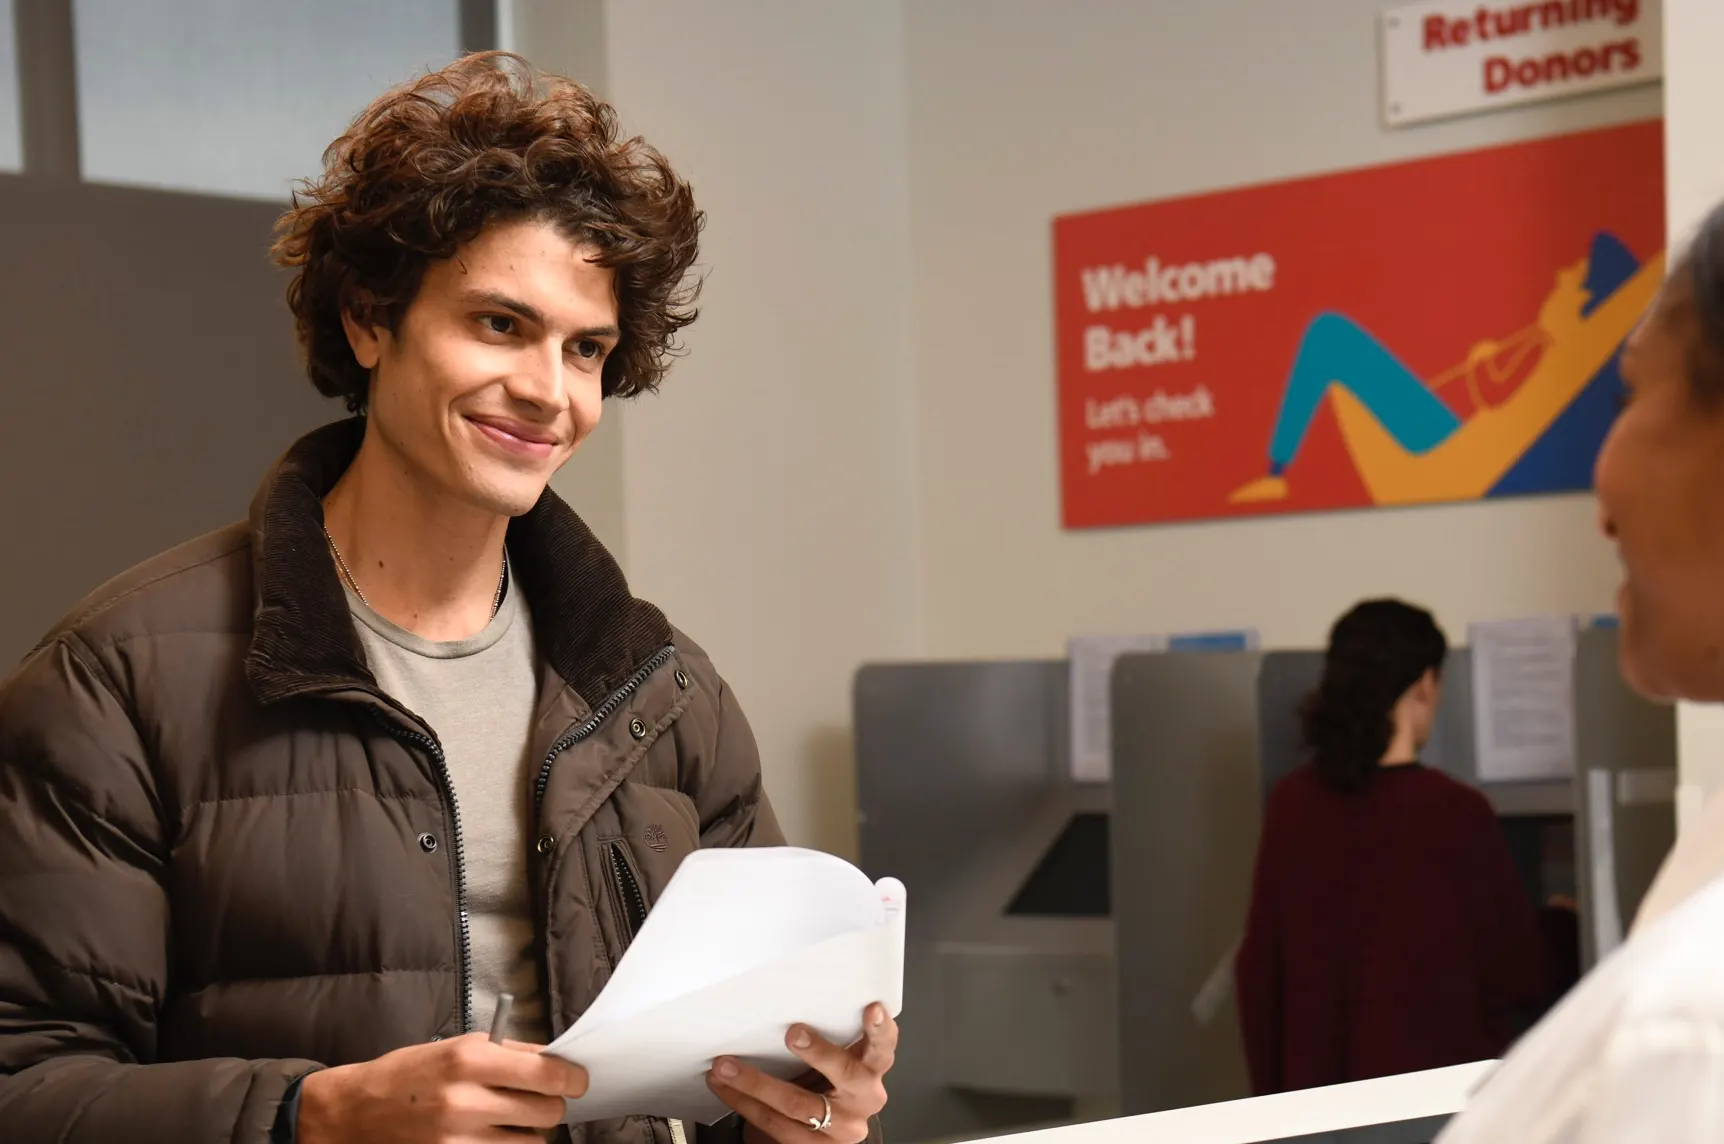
(1414,1096)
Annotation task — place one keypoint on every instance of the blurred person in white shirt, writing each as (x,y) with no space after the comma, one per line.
(1636,1052)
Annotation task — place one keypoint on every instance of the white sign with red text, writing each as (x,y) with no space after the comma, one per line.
(1451,57)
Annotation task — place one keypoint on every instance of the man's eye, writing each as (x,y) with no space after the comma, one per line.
(589,349)
(498,323)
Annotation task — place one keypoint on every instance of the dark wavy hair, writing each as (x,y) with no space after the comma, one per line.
(1376,652)
(1700,272)
(430,164)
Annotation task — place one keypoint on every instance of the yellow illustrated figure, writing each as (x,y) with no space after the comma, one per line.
(1405,436)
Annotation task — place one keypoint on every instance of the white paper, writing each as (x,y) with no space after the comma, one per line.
(742,944)
(1523,699)
(1092,659)
(1217,988)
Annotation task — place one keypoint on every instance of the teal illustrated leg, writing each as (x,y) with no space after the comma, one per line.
(1337,351)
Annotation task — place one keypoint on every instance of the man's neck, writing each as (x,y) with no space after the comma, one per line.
(418,558)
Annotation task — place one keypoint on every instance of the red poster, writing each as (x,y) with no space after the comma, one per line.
(1438,330)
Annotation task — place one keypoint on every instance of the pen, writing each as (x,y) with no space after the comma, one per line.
(500,1019)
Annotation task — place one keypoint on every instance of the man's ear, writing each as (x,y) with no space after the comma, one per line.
(363,338)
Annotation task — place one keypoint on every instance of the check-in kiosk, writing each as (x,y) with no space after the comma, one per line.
(1598,835)
(1027,889)
(1187,793)
(1538,818)
(965,794)
(1199,739)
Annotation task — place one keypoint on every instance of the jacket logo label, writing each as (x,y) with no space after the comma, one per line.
(655,838)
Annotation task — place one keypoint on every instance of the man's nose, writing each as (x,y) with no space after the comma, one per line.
(544,379)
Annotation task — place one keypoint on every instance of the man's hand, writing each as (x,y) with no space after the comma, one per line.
(853,1079)
(464,1090)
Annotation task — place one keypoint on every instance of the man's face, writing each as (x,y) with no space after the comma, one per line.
(1661,499)
(494,374)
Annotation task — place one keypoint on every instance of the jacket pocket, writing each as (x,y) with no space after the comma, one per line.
(630,899)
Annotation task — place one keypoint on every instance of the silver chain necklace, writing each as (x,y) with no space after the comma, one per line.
(347,574)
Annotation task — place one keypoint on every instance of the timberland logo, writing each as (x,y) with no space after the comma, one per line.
(656,839)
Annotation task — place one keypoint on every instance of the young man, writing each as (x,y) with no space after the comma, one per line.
(282,811)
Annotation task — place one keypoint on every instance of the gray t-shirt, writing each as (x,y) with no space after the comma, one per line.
(477,695)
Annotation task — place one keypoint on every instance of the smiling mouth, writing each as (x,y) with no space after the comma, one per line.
(515,437)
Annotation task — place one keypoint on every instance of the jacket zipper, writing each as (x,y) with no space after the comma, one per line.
(592,723)
(629,889)
(600,713)
(634,911)
(458,845)
(627,885)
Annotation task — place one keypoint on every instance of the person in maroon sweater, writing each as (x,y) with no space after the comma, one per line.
(1389,931)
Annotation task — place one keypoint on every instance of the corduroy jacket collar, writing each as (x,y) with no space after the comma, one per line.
(589,627)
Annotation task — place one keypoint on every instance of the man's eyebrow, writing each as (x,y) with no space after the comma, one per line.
(531,313)
(503,302)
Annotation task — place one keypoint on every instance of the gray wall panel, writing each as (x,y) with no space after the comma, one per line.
(1187,798)
(149,379)
(953,762)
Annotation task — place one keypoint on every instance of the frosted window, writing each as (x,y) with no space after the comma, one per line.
(239,97)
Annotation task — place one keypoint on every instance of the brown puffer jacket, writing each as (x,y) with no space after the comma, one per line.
(226,857)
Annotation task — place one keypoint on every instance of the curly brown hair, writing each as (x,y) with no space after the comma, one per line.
(433,162)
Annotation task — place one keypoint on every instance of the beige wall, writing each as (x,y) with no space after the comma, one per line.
(1047,108)
(1694,169)
(567,37)
(857,459)
(767,493)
